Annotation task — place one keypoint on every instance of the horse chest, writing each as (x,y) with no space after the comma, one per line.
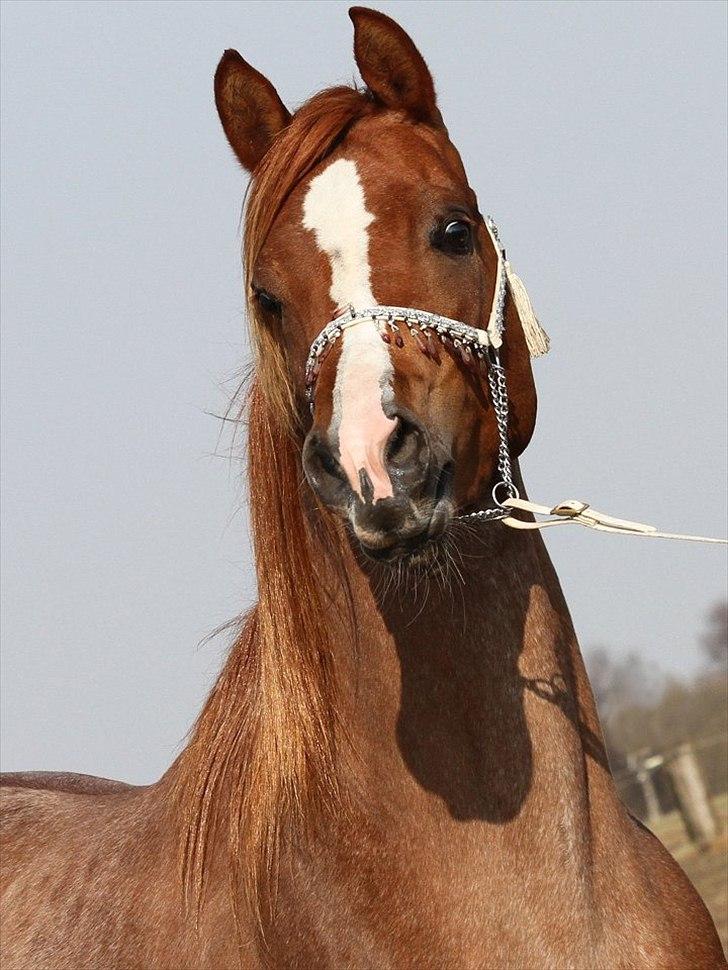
(432,905)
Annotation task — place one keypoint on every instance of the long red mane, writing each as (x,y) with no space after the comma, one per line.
(263,752)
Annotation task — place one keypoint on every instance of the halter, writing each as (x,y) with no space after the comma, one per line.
(477,348)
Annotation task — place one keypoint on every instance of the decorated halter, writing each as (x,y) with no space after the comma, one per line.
(478,349)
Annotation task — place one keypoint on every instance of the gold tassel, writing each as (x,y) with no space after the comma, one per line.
(536,337)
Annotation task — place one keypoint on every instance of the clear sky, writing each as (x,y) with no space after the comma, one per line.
(594,133)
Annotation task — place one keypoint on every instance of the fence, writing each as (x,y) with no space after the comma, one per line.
(683,778)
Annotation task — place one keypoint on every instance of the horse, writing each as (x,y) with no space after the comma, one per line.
(400,764)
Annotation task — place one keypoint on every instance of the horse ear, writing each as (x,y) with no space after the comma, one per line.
(392,67)
(250,110)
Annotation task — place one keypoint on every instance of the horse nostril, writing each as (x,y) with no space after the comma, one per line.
(329,464)
(407,445)
(323,472)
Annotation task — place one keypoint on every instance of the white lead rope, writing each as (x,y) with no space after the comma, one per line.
(581,513)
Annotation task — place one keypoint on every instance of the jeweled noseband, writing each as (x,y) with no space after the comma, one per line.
(478,349)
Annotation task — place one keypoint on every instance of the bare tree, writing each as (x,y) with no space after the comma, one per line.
(619,681)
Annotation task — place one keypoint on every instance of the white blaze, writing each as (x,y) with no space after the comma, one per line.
(335,210)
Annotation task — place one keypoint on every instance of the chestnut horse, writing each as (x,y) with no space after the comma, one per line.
(400,764)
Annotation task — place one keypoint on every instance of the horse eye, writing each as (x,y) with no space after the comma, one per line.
(456,238)
(267,301)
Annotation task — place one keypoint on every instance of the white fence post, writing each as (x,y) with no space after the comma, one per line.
(641,769)
(691,795)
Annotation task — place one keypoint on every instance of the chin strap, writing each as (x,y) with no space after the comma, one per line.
(581,513)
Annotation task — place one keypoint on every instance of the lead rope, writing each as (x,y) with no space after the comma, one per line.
(573,511)
(581,513)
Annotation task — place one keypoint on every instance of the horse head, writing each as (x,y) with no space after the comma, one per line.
(360,200)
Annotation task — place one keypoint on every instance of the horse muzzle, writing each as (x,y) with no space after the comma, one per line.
(415,507)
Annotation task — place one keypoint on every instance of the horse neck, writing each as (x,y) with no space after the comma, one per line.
(449,698)
(467,693)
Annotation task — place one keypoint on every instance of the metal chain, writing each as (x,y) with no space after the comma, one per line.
(499,394)
(499,397)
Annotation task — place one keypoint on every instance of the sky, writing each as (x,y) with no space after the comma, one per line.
(594,133)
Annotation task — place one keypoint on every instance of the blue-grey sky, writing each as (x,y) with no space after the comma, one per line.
(595,133)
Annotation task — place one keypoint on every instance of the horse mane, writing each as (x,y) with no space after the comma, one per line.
(262,758)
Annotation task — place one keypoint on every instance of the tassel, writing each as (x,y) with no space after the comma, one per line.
(536,337)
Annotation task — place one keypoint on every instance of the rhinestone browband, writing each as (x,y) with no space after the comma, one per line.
(471,343)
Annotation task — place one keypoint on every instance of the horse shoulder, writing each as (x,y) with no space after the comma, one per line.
(694,940)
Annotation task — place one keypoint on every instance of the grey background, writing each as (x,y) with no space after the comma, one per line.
(593,132)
